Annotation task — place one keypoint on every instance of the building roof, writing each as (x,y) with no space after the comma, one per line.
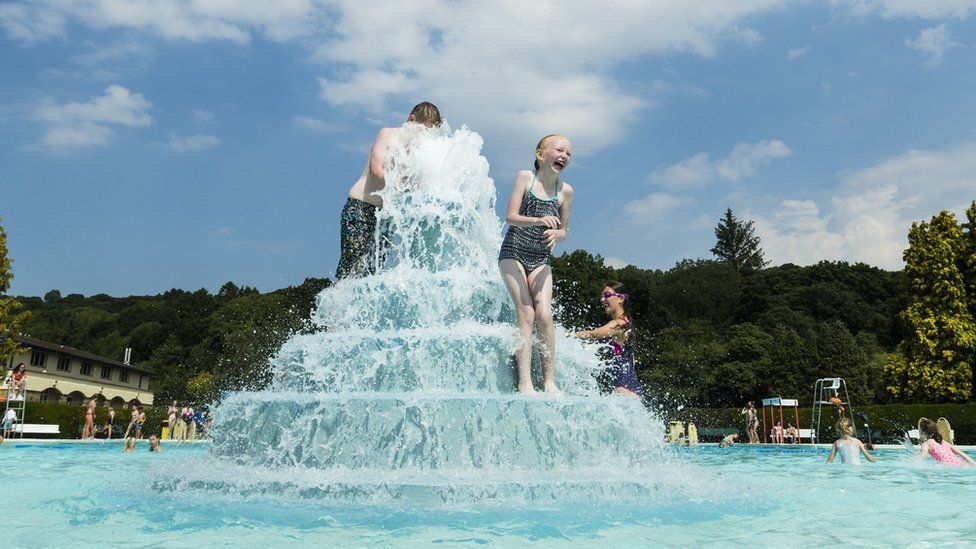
(71,351)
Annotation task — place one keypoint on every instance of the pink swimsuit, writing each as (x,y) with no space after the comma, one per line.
(943,453)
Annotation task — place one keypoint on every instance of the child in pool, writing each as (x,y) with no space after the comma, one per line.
(618,331)
(848,446)
(154,445)
(940,450)
(535,224)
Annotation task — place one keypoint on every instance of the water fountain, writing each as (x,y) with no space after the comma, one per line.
(407,390)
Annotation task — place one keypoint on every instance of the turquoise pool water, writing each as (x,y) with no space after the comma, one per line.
(95,494)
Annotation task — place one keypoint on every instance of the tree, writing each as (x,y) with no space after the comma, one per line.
(940,343)
(11,317)
(738,244)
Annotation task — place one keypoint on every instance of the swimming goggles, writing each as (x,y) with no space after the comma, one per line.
(608,295)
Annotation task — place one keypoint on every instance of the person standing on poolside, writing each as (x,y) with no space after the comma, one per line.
(171,419)
(535,225)
(89,430)
(357,223)
(750,412)
(109,423)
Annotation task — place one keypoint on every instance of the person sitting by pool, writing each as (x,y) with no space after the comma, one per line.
(847,445)
(729,440)
(777,434)
(940,450)
(792,433)
(130,444)
(619,331)
(154,445)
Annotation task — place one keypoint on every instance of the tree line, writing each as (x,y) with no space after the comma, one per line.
(708,332)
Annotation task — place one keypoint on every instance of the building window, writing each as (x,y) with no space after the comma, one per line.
(64,364)
(106,372)
(86,368)
(38,358)
(124,376)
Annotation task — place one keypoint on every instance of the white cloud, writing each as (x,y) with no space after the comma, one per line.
(700,169)
(933,42)
(517,89)
(923,9)
(487,61)
(192,143)
(195,20)
(81,125)
(655,206)
(869,216)
(31,22)
(115,52)
(203,117)
(796,53)
(316,125)
(615,262)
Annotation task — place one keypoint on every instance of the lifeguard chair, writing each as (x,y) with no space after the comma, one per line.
(830,391)
(779,402)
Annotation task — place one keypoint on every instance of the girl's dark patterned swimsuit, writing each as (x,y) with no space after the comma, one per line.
(524,244)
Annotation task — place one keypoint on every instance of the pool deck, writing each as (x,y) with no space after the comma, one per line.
(95,441)
(964,447)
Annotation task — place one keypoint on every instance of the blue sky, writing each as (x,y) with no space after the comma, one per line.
(184,143)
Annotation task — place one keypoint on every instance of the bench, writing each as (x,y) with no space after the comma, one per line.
(38,429)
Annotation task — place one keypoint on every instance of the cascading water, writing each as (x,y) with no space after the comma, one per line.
(407,392)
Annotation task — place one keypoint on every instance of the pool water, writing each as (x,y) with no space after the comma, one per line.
(95,494)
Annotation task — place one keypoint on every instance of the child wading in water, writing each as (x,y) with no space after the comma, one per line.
(848,446)
(538,214)
(940,450)
(618,330)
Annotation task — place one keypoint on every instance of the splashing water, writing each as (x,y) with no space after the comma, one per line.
(407,393)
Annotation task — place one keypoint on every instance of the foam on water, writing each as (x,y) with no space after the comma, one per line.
(406,392)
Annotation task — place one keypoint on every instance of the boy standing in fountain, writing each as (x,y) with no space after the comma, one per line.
(357,224)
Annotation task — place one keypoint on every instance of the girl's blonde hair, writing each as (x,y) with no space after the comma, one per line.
(844,427)
(130,444)
(542,144)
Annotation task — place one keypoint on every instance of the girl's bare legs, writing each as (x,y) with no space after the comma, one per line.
(540,285)
(518,287)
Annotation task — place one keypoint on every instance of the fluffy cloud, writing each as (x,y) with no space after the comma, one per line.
(488,60)
(192,143)
(655,207)
(869,217)
(81,125)
(316,125)
(796,53)
(195,20)
(700,169)
(525,84)
(933,42)
(925,9)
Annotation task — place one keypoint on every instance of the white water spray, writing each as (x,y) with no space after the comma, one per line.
(408,390)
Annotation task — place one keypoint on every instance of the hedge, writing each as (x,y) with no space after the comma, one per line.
(887,422)
(71,418)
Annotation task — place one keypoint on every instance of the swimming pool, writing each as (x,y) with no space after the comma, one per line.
(94,494)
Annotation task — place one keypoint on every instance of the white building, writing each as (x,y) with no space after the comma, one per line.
(57,373)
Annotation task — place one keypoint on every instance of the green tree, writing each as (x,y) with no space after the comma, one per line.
(11,316)
(737,243)
(941,341)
